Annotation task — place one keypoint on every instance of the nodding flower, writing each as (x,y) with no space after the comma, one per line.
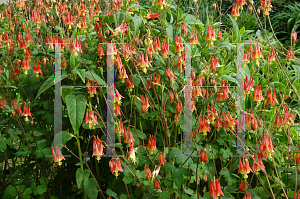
(129,84)
(152,144)
(26,111)
(144,103)
(257,53)
(57,155)
(248,84)
(25,64)
(244,167)
(179,107)
(235,11)
(115,166)
(203,126)
(161,158)
(265,6)
(215,189)
(240,3)
(194,38)
(247,195)
(203,157)
(91,89)
(271,57)
(272,98)
(97,148)
(290,54)
(162,4)
(242,186)
(258,97)
(91,118)
(296,196)
(266,146)
(152,15)
(148,172)
(37,68)
(258,165)
(179,46)
(76,47)
(211,36)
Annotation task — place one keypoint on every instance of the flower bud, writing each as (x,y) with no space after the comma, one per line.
(219,37)
(250,8)
(294,36)
(183,28)
(258,11)
(204,177)
(215,6)
(136,40)
(260,122)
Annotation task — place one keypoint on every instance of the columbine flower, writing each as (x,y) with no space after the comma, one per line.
(148,173)
(240,3)
(97,148)
(211,36)
(57,156)
(155,172)
(161,158)
(152,15)
(203,157)
(296,196)
(156,184)
(37,68)
(25,64)
(235,11)
(203,126)
(132,154)
(258,165)
(179,107)
(152,144)
(115,166)
(257,53)
(271,57)
(242,186)
(91,89)
(272,98)
(91,118)
(75,47)
(26,111)
(266,146)
(244,167)
(258,97)
(215,189)
(144,104)
(170,75)
(129,84)
(247,195)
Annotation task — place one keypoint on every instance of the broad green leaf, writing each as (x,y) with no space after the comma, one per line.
(76,110)
(169,166)
(90,188)
(137,21)
(50,82)
(169,30)
(81,74)
(128,179)
(62,137)
(72,61)
(109,192)
(80,176)
(177,177)
(41,189)
(91,75)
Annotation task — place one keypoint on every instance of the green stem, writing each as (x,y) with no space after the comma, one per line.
(80,157)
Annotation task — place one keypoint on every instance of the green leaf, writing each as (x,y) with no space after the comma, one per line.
(236,36)
(90,188)
(80,176)
(137,21)
(41,189)
(81,74)
(169,30)
(72,61)
(76,110)
(62,137)
(128,179)
(169,166)
(50,82)
(177,177)
(109,192)
(91,74)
